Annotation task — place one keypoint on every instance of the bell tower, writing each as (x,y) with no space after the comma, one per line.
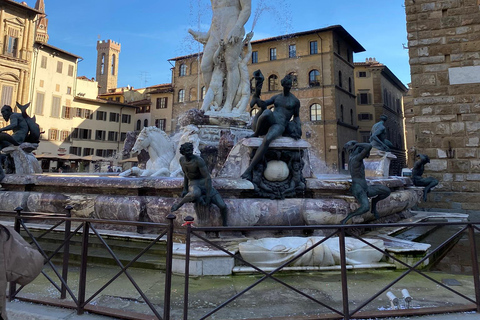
(42,23)
(107,64)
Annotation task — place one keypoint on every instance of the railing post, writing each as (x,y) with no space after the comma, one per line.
(475,270)
(188,222)
(168,273)
(16,226)
(66,252)
(343,264)
(82,282)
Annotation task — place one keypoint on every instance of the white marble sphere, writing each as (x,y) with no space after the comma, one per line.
(276,171)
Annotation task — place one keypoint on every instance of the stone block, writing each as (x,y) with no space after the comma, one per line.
(457,128)
(436,68)
(442,129)
(463,153)
(475,166)
(472,127)
(473,142)
(458,166)
(437,165)
(470,117)
(463,30)
(423,52)
(473,177)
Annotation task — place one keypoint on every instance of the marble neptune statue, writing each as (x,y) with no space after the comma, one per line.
(227,29)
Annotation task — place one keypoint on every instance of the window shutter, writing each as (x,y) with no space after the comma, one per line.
(359,100)
(369,98)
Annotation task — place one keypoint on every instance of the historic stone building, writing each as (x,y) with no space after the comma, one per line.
(321,61)
(107,65)
(444,48)
(17,30)
(379,92)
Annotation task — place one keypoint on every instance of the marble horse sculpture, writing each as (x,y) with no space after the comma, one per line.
(161,150)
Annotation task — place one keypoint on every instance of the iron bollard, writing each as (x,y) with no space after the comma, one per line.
(66,252)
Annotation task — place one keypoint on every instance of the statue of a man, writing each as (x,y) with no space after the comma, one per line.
(378,135)
(197,183)
(417,173)
(360,189)
(228,21)
(274,124)
(17,124)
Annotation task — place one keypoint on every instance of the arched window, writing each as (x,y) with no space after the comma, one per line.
(102,66)
(294,79)
(340,79)
(145,123)
(203,93)
(272,82)
(341,113)
(314,78)
(315,112)
(183,70)
(181,95)
(349,84)
(139,125)
(113,65)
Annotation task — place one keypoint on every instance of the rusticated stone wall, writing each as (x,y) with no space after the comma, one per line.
(444,48)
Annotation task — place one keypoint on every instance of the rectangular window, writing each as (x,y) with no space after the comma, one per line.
(273,53)
(161,123)
(39,103)
(365,136)
(7,95)
(362,74)
(255,57)
(85,134)
(70,71)
(64,135)
(42,83)
(123,136)
(78,112)
(87,151)
(88,114)
(43,63)
(100,152)
(126,118)
(114,117)
(59,66)
(101,115)
(56,103)
(99,134)
(53,134)
(67,112)
(313,47)
(76,151)
(292,51)
(364,98)
(365,116)
(112,136)
(11,46)
(162,103)
(69,90)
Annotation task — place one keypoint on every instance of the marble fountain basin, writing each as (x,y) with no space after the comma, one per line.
(325,201)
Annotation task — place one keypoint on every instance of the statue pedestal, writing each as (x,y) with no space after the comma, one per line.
(378,164)
(239,157)
(25,161)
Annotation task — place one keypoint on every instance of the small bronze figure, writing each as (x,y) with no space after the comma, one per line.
(276,123)
(378,135)
(197,183)
(417,173)
(360,189)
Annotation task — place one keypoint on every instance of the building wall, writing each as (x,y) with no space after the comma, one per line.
(325,135)
(444,49)
(17,30)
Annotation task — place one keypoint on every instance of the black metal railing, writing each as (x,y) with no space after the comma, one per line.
(87,228)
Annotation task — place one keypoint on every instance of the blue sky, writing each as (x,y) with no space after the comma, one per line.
(151,32)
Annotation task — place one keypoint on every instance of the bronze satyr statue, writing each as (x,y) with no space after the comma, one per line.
(378,135)
(197,183)
(360,189)
(417,173)
(276,123)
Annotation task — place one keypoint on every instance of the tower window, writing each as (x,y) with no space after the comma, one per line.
(113,64)
(102,65)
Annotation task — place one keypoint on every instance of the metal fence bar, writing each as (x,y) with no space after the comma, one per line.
(168,273)
(188,222)
(66,253)
(13,287)
(475,271)
(82,282)
(343,264)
